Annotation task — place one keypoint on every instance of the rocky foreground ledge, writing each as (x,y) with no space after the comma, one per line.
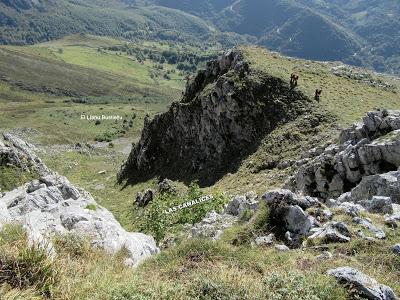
(52,206)
(358,176)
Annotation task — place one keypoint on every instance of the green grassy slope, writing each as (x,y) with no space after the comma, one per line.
(201,269)
(40,85)
(348,99)
(127,87)
(344,101)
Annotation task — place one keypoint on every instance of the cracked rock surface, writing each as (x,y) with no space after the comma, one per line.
(53,206)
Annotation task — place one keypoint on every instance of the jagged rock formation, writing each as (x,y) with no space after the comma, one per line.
(53,206)
(225,111)
(366,153)
(21,154)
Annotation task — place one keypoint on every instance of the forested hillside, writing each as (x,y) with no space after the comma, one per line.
(362,33)
(29,22)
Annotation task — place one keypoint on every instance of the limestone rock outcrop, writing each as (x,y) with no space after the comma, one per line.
(387,185)
(52,206)
(213,225)
(332,232)
(21,154)
(225,112)
(239,204)
(366,159)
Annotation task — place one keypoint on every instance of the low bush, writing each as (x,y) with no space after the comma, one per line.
(28,267)
(157,221)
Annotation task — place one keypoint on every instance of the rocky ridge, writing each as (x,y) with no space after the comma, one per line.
(225,111)
(22,155)
(52,206)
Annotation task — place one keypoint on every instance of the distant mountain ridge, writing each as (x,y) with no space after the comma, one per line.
(363,33)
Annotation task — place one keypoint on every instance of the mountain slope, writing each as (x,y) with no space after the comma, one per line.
(47,20)
(362,33)
(222,117)
(357,32)
(241,117)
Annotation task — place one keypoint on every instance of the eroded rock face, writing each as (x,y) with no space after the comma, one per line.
(52,205)
(362,284)
(366,151)
(21,154)
(225,111)
(387,185)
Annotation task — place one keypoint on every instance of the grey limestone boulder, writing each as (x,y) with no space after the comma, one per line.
(387,185)
(287,215)
(378,204)
(290,198)
(362,284)
(332,232)
(282,248)
(239,204)
(265,240)
(393,220)
(53,206)
(213,225)
(351,209)
(378,232)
